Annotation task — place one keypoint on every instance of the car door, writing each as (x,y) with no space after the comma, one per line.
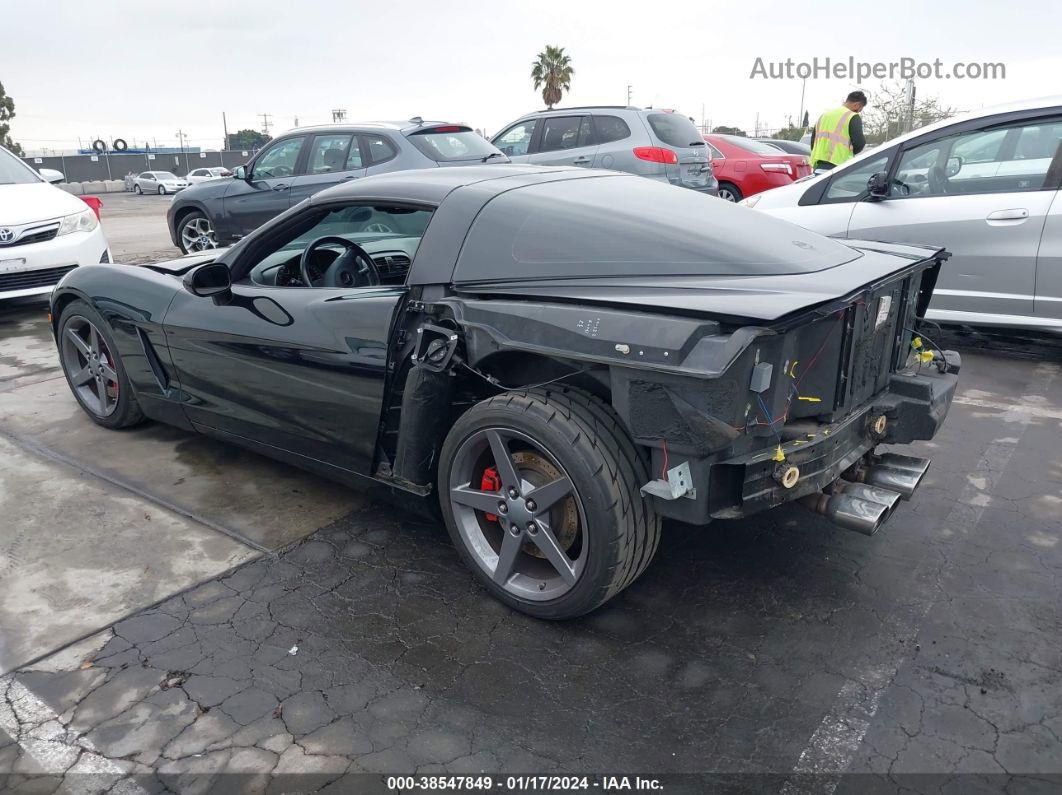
(291,368)
(960,190)
(565,141)
(515,141)
(1048,301)
(333,158)
(266,189)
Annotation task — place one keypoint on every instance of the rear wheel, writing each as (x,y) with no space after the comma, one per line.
(540,492)
(196,233)
(728,191)
(93,369)
(137,190)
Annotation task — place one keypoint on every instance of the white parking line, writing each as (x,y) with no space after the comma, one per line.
(835,742)
(57,750)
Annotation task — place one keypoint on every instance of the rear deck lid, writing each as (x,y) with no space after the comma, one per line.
(675,132)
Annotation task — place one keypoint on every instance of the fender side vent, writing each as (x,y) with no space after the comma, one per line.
(161,376)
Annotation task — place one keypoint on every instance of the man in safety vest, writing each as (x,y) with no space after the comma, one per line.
(838,134)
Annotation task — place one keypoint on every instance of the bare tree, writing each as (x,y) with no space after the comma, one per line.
(886,115)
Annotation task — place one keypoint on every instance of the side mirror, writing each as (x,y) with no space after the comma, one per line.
(210,280)
(878,186)
(51,175)
(240,172)
(953,167)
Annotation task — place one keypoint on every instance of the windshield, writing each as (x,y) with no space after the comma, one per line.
(165,175)
(756,147)
(675,130)
(14,172)
(460,144)
(630,226)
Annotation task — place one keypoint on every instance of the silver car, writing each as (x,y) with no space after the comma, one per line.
(659,144)
(160,182)
(984,185)
(197,175)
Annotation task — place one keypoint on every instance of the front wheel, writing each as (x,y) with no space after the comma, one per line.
(137,190)
(729,192)
(196,233)
(162,190)
(540,492)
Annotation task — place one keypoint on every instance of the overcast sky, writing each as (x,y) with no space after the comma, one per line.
(143,70)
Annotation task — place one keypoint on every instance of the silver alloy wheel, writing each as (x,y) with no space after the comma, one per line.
(197,234)
(137,190)
(89,364)
(535,546)
(162,190)
(727,195)
(378,228)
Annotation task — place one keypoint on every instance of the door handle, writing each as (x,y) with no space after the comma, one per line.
(581,160)
(348,179)
(280,187)
(1016,214)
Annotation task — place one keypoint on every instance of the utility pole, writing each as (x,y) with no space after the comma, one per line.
(225,127)
(803,85)
(629,87)
(180,137)
(296,122)
(338,115)
(265,123)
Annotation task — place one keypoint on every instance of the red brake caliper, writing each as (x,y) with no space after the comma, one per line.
(491,482)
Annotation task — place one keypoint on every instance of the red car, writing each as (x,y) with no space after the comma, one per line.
(745,167)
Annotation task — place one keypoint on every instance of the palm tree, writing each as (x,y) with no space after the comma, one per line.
(553,73)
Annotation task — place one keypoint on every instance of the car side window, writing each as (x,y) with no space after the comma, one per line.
(560,132)
(278,160)
(1001,160)
(610,128)
(517,139)
(379,149)
(851,184)
(715,154)
(354,156)
(328,153)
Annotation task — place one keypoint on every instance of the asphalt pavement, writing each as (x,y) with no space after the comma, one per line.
(777,653)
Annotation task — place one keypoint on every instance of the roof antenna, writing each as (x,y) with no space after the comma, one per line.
(416,120)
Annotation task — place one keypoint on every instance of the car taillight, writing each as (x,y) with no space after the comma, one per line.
(655,154)
(782,167)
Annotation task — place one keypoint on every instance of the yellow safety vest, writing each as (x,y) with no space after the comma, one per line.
(832,143)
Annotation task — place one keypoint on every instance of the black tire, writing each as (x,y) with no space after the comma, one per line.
(192,218)
(733,189)
(127,412)
(137,190)
(586,438)
(162,190)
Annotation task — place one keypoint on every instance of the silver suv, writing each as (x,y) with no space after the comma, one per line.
(659,144)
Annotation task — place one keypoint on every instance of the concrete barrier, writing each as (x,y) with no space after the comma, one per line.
(72,187)
(94,187)
(115,186)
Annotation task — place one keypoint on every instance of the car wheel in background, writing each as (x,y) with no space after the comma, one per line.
(196,233)
(162,190)
(137,190)
(93,368)
(729,192)
(540,493)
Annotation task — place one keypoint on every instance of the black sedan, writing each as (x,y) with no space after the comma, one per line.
(555,358)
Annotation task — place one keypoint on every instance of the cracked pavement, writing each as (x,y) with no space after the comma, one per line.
(777,652)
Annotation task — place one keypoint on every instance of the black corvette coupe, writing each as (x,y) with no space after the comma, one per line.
(558,358)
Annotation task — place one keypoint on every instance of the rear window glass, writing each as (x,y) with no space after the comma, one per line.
(756,147)
(631,226)
(610,128)
(449,146)
(675,129)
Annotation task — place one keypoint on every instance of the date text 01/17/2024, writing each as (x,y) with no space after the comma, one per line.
(522,783)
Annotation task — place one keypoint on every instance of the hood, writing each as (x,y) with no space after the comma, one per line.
(764,298)
(184,264)
(37,201)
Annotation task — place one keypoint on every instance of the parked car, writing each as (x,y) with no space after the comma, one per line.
(302,161)
(745,167)
(986,185)
(558,358)
(659,144)
(44,231)
(197,175)
(789,147)
(160,182)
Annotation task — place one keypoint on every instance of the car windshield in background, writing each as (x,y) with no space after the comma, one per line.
(13,171)
(630,226)
(756,147)
(675,130)
(165,175)
(446,144)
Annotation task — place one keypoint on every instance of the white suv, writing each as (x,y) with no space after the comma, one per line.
(44,232)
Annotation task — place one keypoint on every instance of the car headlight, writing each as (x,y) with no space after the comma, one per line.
(84,221)
(751,201)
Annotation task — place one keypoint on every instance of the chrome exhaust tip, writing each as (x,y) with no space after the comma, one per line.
(849,512)
(887,497)
(902,473)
